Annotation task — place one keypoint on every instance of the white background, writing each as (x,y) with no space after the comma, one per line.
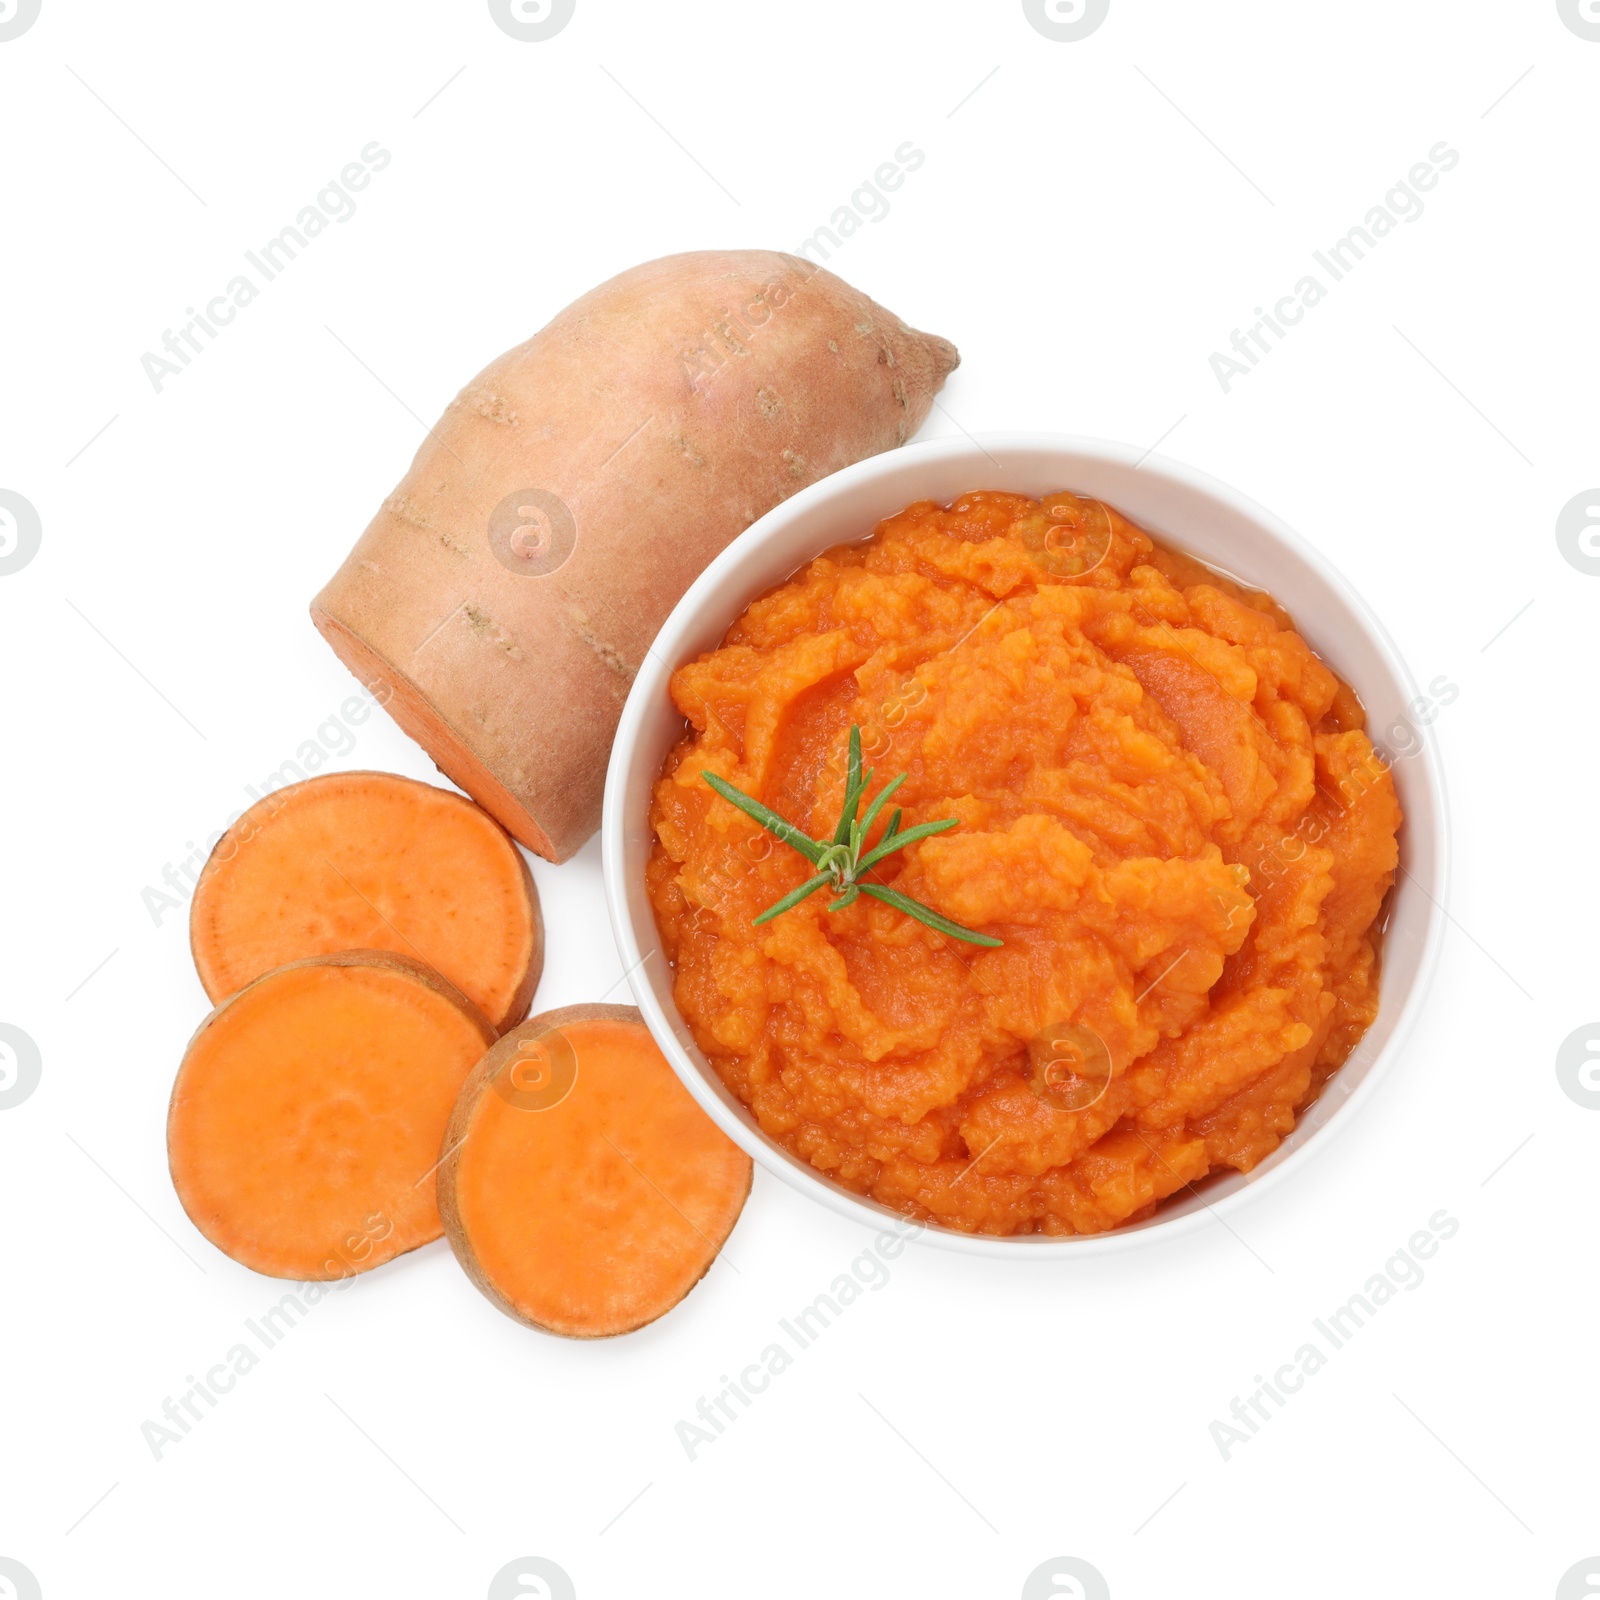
(1088,247)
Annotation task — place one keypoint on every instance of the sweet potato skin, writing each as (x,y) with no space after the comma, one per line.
(327,1263)
(481,1082)
(507,590)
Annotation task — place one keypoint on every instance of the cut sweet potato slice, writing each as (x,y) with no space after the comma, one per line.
(307,1115)
(582,1188)
(371,861)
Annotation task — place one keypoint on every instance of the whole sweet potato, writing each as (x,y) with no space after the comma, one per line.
(507,590)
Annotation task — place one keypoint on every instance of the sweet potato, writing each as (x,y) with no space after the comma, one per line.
(582,1189)
(371,861)
(306,1118)
(507,590)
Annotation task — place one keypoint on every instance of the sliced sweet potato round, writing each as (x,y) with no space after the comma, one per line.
(371,861)
(582,1189)
(306,1118)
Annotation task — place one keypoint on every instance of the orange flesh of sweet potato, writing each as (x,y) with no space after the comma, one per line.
(582,1188)
(371,861)
(506,591)
(307,1115)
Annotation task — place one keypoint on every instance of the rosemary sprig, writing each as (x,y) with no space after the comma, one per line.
(839,861)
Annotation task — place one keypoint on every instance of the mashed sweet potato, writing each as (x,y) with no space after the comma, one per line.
(1169,814)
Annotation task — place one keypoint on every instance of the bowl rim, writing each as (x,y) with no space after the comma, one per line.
(652,677)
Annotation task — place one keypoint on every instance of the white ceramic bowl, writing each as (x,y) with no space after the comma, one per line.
(1183,507)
